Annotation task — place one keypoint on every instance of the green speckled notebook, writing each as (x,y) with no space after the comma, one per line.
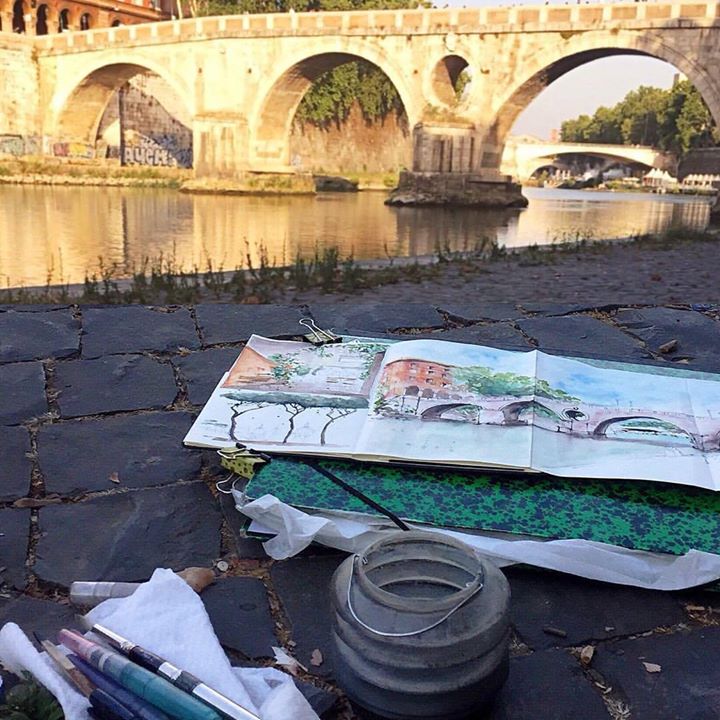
(633,514)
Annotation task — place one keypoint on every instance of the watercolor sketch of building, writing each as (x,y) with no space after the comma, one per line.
(435,392)
(344,369)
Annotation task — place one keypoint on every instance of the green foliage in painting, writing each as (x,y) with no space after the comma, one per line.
(674,120)
(287,367)
(484,381)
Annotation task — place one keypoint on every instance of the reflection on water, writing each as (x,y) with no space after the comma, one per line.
(60,232)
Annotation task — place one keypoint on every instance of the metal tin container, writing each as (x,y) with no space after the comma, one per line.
(420,628)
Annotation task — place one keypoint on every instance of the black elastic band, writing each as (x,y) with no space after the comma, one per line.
(356,493)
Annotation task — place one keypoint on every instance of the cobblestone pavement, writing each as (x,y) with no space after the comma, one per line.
(95,484)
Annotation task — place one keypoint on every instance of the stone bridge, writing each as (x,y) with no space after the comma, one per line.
(522,157)
(242,77)
(556,415)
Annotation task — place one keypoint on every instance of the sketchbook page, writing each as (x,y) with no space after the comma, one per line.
(443,402)
(293,397)
(602,419)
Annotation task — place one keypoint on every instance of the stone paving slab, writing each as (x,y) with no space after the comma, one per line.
(117,452)
(39,335)
(113,384)
(244,547)
(499,335)
(33,614)
(368,319)
(584,336)
(130,533)
(475,312)
(686,688)
(202,371)
(221,324)
(549,685)
(22,389)
(697,336)
(303,586)
(240,614)
(14,536)
(583,609)
(133,328)
(15,467)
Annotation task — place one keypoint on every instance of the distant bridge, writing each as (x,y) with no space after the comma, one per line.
(523,157)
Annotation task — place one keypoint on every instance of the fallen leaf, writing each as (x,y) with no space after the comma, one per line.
(586,655)
(652,667)
(198,578)
(114,477)
(27,502)
(557,632)
(668,346)
(316,659)
(284,659)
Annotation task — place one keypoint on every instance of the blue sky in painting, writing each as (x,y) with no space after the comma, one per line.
(458,354)
(607,386)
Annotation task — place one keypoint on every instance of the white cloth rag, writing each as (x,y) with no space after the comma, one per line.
(294,530)
(165,616)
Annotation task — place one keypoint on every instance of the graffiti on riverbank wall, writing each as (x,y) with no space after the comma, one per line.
(19,145)
(157,151)
(73,150)
(147,124)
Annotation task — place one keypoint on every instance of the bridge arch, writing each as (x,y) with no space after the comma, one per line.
(436,412)
(79,103)
(513,411)
(273,115)
(548,65)
(532,165)
(601,430)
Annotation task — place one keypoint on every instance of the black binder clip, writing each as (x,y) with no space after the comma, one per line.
(318,336)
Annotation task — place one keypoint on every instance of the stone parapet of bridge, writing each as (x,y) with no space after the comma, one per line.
(515,19)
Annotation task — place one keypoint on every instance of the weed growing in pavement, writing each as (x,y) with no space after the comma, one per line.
(164,281)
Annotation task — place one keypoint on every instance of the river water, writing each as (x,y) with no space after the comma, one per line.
(59,234)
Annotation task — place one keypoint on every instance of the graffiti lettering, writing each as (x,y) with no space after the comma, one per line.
(158,151)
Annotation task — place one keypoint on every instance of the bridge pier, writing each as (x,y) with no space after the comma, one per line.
(448,169)
(220,146)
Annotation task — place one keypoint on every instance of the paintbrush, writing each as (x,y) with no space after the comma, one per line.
(177,676)
(105,705)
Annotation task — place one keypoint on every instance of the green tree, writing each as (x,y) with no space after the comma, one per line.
(675,120)
(483,381)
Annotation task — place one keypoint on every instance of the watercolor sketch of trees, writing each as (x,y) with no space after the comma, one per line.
(328,410)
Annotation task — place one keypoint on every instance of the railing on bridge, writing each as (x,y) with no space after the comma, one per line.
(387,22)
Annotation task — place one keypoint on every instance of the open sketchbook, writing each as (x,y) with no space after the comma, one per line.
(439,402)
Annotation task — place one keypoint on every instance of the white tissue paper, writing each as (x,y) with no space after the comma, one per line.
(295,530)
(167,617)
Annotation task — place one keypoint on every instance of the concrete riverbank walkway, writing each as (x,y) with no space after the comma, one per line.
(95,484)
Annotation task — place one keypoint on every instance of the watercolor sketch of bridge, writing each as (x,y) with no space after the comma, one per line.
(432,391)
(442,402)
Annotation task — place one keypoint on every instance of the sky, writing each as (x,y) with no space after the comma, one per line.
(583,90)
